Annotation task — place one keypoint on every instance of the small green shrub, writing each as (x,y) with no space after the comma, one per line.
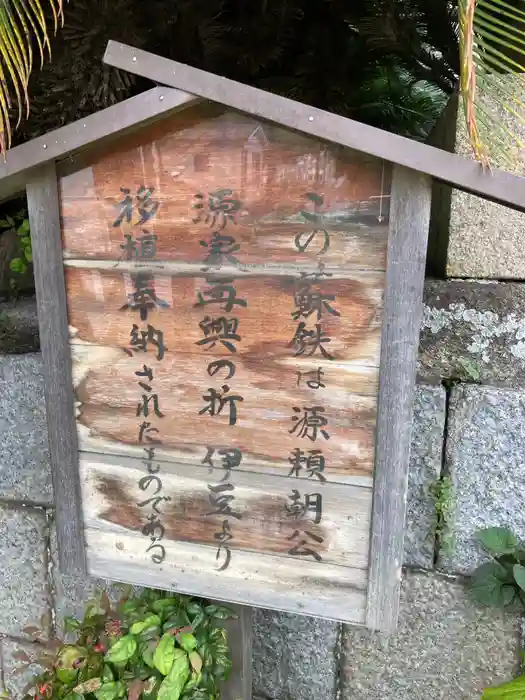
(500,582)
(20,263)
(154,646)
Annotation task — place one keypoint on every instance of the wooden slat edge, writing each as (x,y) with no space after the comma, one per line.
(44,219)
(117,557)
(464,173)
(409,224)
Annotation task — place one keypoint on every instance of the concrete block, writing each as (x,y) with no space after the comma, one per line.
(294,657)
(425,469)
(24,595)
(20,662)
(473,332)
(19,326)
(485,456)
(25,471)
(445,647)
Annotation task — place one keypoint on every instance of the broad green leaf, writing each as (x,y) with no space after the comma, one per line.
(129,606)
(28,252)
(165,654)
(519,575)
(10,220)
(176,621)
(498,540)
(514,690)
(107,674)
(187,641)
(148,652)
(220,612)
(70,656)
(146,623)
(193,682)
(110,690)
(16,264)
(66,675)
(122,650)
(314,218)
(195,661)
(163,604)
(490,585)
(172,686)
(194,608)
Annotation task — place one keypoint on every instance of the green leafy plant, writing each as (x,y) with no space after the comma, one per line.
(500,582)
(513,690)
(152,646)
(443,492)
(20,224)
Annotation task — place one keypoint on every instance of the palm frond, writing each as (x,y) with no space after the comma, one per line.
(492,50)
(21,21)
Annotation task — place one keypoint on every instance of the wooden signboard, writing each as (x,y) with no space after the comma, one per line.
(224,281)
(229,291)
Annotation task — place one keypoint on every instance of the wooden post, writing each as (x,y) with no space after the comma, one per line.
(44,220)
(239,684)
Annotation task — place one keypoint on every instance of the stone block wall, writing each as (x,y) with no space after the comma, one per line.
(469,429)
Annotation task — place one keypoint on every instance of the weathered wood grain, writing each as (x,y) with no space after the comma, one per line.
(96,302)
(407,247)
(269,170)
(44,219)
(108,397)
(111,495)
(309,588)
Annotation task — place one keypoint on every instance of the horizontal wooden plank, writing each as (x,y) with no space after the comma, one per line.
(269,172)
(264,307)
(266,430)
(303,587)
(267,508)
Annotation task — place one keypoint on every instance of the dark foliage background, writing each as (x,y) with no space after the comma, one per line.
(390,63)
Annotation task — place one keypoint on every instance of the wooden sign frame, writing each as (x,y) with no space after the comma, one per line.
(33,166)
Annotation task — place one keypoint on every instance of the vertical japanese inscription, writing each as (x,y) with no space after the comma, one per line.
(310,422)
(220,329)
(144,338)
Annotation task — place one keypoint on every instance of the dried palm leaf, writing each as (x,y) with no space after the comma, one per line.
(492,82)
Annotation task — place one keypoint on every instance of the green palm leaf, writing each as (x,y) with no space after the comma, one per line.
(21,21)
(492,49)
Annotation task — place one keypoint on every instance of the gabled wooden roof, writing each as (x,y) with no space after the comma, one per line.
(459,171)
(187,85)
